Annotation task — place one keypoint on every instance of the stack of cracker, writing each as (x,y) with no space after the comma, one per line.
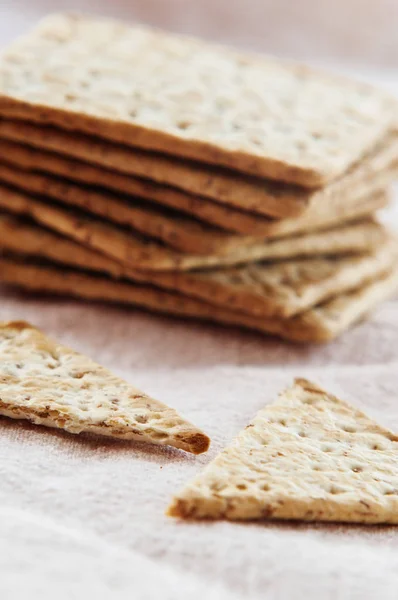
(149,169)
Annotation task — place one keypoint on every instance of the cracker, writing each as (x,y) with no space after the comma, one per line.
(248,194)
(170,93)
(320,324)
(140,253)
(52,385)
(363,199)
(308,456)
(281,289)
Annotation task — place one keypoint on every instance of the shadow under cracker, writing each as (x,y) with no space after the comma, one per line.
(93,442)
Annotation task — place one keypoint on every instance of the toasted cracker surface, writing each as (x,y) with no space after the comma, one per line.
(49,384)
(191,98)
(307,456)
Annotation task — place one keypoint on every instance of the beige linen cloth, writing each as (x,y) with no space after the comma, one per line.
(83,518)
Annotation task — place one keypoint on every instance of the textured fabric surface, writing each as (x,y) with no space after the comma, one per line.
(94,509)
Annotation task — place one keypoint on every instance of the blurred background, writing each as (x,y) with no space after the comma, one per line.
(358,33)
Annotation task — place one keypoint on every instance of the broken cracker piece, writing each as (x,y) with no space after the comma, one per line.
(49,384)
(308,456)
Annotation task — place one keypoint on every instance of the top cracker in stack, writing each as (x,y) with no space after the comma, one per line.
(261,119)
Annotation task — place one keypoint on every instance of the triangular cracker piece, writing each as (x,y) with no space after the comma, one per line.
(49,384)
(308,456)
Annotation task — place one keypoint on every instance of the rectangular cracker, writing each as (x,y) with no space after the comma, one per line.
(141,253)
(156,90)
(307,456)
(282,289)
(364,197)
(49,384)
(176,231)
(261,196)
(320,324)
